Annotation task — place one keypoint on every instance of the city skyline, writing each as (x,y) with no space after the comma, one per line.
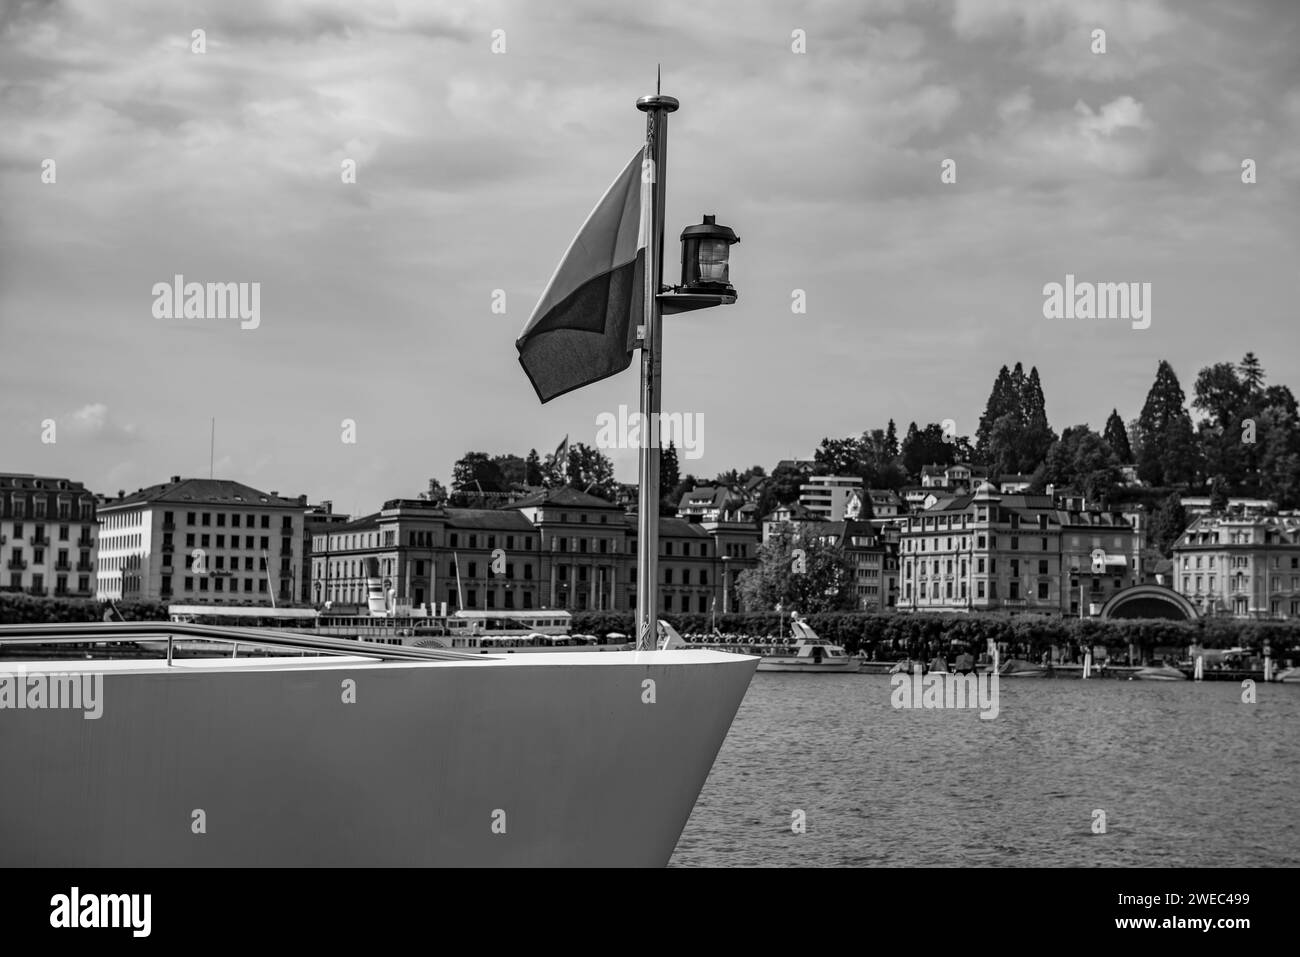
(474,169)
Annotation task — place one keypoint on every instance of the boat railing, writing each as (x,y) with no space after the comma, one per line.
(80,633)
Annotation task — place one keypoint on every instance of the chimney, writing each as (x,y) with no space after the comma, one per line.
(274,494)
(302,499)
(175,479)
(326,506)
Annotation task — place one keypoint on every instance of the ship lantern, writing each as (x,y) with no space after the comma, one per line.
(706,251)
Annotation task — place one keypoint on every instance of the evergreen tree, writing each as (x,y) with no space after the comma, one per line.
(891,442)
(1167,523)
(1117,438)
(1168,447)
(669,473)
(1038,437)
(1252,373)
(532,468)
(1001,402)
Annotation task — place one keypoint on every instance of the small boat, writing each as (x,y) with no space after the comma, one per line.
(1020,668)
(1288,675)
(1161,671)
(807,654)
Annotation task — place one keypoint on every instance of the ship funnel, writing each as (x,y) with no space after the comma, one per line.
(375,588)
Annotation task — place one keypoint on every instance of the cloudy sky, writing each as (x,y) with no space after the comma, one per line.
(475,169)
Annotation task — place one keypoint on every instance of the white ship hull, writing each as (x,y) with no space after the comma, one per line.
(525,760)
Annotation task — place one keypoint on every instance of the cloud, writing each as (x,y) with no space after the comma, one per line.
(95,421)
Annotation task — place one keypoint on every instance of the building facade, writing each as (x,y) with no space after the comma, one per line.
(1240,565)
(196,541)
(555,549)
(826,496)
(49,536)
(1016,553)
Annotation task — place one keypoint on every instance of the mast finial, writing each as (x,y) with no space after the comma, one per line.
(658,77)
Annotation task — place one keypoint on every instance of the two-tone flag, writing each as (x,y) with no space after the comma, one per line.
(584,327)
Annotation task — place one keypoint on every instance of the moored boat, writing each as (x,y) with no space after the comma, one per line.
(1158,672)
(807,653)
(1020,668)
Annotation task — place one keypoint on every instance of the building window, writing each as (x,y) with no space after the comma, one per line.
(207,518)
(1042,590)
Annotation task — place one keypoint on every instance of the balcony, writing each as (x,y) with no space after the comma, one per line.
(63,566)
(39,541)
(168,548)
(85,567)
(16,564)
(36,590)
(169,526)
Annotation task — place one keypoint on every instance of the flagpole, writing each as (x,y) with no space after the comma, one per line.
(656,109)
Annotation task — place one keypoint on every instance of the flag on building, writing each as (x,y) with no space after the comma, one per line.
(584,328)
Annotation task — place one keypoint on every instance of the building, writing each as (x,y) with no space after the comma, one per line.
(49,535)
(558,548)
(193,541)
(871,549)
(1013,483)
(318,517)
(710,503)
(793,518)
(1020,553)
(1242,565)
(826,496)
(1200,505)
(957,475)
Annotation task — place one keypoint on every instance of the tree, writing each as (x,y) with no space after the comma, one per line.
(1002,400)
(475,472)
(532,468)
(1167,523)
(1117,438)
(589,470)
(437,493)
(926,447)
(1252,373)
(514,470)
(891,441)
(669,473)
(820,579)
(1038,435)
(1168,448)
(1014,434)
(781,489)
(1083,460)
(839,457)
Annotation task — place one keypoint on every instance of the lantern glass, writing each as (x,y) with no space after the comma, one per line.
(713,257)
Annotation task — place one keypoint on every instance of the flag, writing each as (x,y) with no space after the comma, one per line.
(584,327)
(561,459)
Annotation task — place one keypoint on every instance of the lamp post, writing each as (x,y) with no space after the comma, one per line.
(705,283)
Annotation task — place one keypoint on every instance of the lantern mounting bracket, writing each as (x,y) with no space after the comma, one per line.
(674,302)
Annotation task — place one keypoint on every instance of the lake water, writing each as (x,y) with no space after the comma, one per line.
(1187,775)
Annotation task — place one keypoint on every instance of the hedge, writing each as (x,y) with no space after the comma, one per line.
(886,633)
(21,609)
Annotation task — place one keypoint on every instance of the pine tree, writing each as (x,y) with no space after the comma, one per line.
(1117,438)
(669,473)
(891,442)
(1001,402)
(1252,373)
(1168,453)
(532,468)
